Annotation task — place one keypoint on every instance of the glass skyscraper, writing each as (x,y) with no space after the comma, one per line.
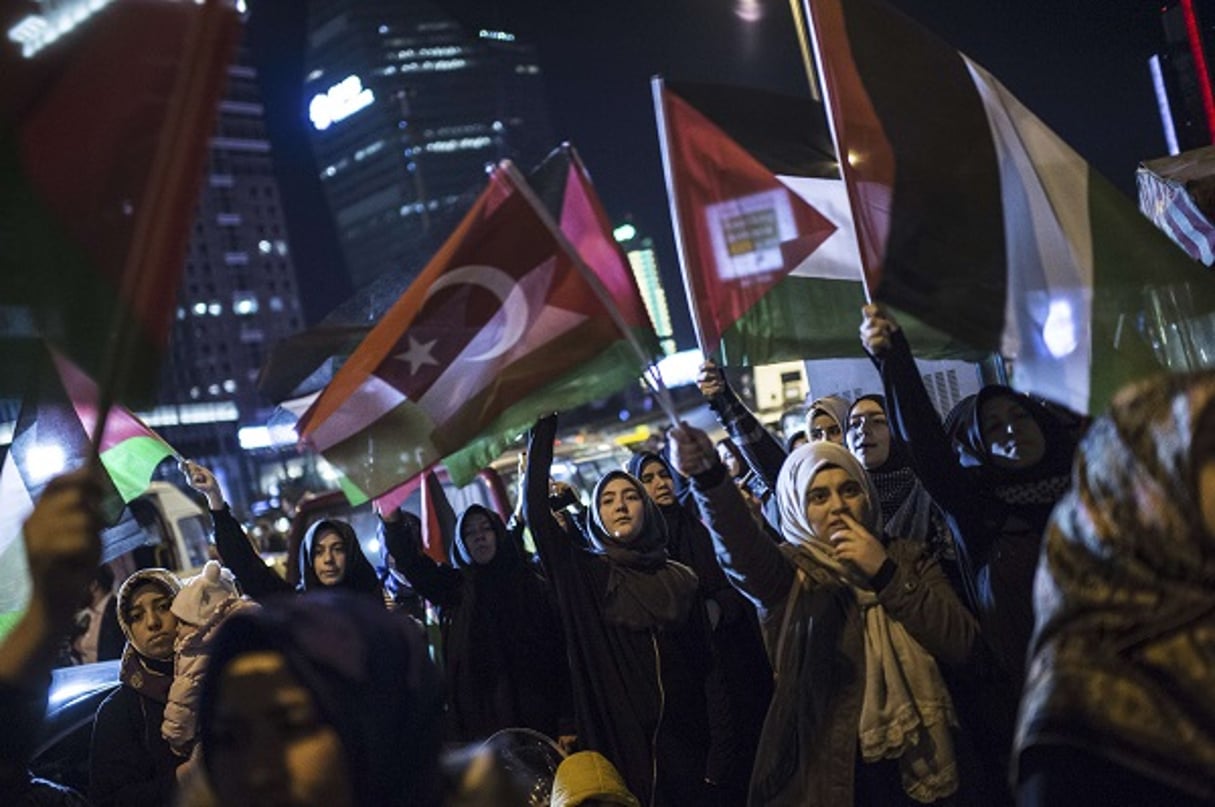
(407,111)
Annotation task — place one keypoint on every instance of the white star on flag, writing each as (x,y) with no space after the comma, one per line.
(418,355)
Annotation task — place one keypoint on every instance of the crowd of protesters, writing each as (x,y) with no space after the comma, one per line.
(1007,604)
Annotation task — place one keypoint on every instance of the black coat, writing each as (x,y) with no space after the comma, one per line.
(503,654)
(130,762)
(639,695)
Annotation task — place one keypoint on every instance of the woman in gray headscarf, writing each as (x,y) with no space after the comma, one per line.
(855,624)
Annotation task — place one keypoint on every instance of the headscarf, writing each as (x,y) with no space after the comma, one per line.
(506,551)
(371,678)
(1125,593)
(906,710)
(833,406)
(894,479)
(1042,483)
(908,510)
(688,540)
(148,676)
(645,589)
(360,574)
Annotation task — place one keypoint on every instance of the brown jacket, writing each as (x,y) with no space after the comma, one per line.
(814,637)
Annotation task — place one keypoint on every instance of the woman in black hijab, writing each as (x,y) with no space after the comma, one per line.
(503,655)
(330,554)
(636,632)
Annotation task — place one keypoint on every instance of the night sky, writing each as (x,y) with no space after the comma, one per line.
(1080,65)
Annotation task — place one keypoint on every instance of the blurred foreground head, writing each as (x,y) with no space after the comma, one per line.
(1125,593)
(324,699)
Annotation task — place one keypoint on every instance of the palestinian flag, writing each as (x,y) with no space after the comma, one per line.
(103,137)
(768,249)
(501,326)
(976,218)
(129,450)
(53,435)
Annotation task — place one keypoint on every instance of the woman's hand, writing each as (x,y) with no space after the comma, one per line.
(858,546)
(877,326)
(711,380)
(692,451)
(202,480)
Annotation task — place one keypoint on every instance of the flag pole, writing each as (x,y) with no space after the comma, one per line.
(664,147)
(662,394)
(803,46)
(806,24)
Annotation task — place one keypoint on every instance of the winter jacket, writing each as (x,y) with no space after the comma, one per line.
(190,653)
(813,632)
(130,762)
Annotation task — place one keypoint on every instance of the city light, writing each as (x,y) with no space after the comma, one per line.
(625,232)
(501,36)
(339,102)
(37,31)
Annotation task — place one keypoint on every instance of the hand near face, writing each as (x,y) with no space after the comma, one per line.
(858,546)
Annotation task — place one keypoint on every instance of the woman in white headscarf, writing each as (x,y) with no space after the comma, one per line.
(855,625)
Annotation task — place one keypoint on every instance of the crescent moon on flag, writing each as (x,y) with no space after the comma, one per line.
(502,286)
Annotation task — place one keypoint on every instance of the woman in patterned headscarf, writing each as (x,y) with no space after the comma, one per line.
(1119,706)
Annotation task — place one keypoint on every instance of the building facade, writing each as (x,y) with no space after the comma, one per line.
(643,260)
(407,111)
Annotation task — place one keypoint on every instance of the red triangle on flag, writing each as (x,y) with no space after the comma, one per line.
(743,231)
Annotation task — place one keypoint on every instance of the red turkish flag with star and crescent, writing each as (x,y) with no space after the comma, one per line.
(500,326)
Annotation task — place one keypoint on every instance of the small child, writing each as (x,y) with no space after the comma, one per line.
(203,603)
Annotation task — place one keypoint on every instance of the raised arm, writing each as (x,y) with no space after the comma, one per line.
(913,417)
(439,584)
(552,543)
(235,550)
(751,561)
(760,450)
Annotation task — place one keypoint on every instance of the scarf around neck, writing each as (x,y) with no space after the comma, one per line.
(645,588)
(906,710)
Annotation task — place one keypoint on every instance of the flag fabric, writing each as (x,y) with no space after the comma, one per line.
(1169,193)
(501,326)
(768,248)
(103,138)
(129,450)
(975,217)
(53,435)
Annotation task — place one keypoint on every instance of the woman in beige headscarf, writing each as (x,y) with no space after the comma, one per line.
(855,625)
(1119,702)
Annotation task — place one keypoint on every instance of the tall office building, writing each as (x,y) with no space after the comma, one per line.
(408,109)
(643,260)
(1181,74)
(238,292)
